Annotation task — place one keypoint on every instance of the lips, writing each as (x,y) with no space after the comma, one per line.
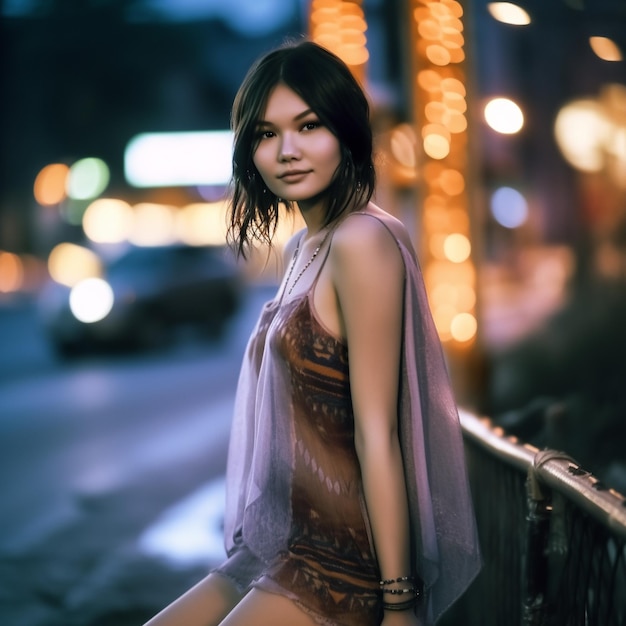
(293,175)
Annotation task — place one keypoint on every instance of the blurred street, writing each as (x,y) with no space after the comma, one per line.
(98,456)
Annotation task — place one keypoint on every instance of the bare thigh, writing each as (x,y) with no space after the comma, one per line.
(261,608)
(205,604)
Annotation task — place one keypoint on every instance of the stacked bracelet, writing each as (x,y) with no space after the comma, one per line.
(399,591)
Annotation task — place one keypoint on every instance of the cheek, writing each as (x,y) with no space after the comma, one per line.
(332,151)
(259,158)
(333,157)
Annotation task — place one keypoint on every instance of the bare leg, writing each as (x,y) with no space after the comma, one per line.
(205,604)
(260,608)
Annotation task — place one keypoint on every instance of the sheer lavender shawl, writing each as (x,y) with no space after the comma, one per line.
(261,454)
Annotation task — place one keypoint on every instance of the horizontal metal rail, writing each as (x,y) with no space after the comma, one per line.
(553,537)
(556,470)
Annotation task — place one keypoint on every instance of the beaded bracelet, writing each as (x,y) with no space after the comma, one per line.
(390,581)
(399,606)
(399,592)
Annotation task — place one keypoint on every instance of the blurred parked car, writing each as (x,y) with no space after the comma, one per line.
(141,297)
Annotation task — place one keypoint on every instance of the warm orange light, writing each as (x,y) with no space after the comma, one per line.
(459,219)
(455,8)
(436,146)
(202,223)
(49,188)
(452,182)
(429,80)
(153,224)
(455,101)
(436,245)
(457,247)
(605,48)
(449,273)
(466,297)
(340,26)
(11,272)
(462,297)
(435,112)
(68,264)
(455,122)
(108,220)
(430,29)
(438,55)
(453,85)
(463,327)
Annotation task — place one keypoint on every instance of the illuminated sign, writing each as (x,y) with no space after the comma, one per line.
(179,159)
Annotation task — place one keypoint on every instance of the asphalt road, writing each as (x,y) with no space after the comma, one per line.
(111,472)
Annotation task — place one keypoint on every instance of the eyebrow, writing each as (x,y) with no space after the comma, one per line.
(297,118)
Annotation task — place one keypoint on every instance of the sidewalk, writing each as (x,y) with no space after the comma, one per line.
(93,572)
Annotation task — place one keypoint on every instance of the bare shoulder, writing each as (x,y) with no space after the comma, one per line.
(365,246)
(371,232)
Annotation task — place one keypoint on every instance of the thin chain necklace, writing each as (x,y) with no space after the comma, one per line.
(306,265)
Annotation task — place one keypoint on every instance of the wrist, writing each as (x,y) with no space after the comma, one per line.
(404,605)
(399,594)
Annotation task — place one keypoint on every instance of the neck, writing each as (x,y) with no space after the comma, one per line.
(314,218)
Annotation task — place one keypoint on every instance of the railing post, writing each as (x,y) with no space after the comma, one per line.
(535,575)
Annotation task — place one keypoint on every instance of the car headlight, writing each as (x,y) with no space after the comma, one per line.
(91,300)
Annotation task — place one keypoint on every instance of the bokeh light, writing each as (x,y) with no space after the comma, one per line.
(91,300)
(463,327)
(403,145)
(11,272)
(504,116)
(202,223)
(179,159)
(457,247)
(441,114)
(581,130)
(340,26)
(605,48)
(509,13)
(87,179)
(69,263)
(509,207)
(108,220)
(50,184)
(153,224)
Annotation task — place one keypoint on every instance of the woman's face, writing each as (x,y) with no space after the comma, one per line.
(296,155)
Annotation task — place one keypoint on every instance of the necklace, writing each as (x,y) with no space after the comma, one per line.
(306,265)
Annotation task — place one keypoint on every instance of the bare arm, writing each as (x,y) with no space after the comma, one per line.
(368,274)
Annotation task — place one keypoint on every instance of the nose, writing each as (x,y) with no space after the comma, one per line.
(288,150)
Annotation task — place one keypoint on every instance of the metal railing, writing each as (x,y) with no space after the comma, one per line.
(553,538)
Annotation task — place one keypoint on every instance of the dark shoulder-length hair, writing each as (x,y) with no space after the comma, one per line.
(326,84)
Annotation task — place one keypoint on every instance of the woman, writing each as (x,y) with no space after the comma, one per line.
(347,498)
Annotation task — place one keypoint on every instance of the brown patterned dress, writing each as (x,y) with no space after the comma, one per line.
(329,568)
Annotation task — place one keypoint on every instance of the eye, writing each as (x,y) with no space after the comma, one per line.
(262,132)
(311,125)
